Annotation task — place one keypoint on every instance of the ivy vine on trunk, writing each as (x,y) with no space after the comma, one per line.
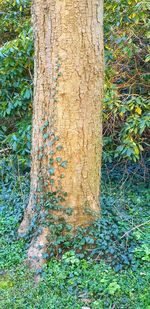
(66,134)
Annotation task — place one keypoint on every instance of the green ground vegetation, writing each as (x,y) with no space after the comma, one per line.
(107,265)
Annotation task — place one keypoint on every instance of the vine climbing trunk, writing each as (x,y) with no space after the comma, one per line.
(66,134)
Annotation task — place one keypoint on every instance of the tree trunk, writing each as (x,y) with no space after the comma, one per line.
(66,136)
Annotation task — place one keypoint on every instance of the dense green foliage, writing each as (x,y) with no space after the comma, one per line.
(113,272)
(127,102)
(76,284)
(16,69)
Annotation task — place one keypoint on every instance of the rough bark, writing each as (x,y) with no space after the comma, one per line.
(68,88)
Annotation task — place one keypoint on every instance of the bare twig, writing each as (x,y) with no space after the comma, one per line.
(4,150)
(134,228)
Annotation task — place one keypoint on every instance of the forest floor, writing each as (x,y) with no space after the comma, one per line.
(112,273)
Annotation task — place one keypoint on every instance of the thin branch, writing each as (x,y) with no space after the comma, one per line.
(134,228)
(4,150)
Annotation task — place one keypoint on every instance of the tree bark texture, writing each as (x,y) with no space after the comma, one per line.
(68,90)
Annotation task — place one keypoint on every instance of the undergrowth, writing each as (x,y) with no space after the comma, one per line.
(106,265)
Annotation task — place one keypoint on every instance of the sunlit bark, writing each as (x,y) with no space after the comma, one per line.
(68,88)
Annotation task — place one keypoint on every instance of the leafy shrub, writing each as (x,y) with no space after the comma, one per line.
(16,71)
(126,102)
(130,119)
(16,64)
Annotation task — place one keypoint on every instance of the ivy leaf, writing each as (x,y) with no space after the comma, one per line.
(45,136)
(52,171)
(64,164)
(58,159)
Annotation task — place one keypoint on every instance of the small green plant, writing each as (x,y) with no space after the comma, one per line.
(143,253)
